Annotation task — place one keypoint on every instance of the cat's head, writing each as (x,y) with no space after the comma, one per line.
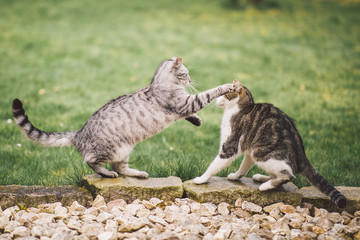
(239,96)
(174,71)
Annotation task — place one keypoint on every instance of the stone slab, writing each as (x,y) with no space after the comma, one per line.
(318,199)
(32,196)
(129,188)
(220,189)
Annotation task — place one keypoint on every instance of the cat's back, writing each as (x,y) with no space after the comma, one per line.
(265,124)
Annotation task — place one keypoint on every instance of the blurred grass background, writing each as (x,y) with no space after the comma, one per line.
(65,59)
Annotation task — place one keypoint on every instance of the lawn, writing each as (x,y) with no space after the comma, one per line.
(65,59)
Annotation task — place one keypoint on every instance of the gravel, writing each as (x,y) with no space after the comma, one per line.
(181,219)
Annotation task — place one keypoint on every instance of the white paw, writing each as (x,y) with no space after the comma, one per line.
(260,178)
(233,176)
(113,174)
(266,186)
(143,174)
(199,180)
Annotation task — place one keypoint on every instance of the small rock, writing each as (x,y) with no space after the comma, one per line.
(130,224)
(44,218)
(143,212)
(271,207)
(74,224)
(320,212)
(355,222)
(223,208)
(120,203)
(241,213)
(92,229)
(4,221)
(76,207)
(155,201)
(155,219)
(132,209)
(111,226)
(210,209)
(12,225)
(104,216)
(148,204)
(276,213)
(21,232)
(99,202)
(107,236)
(238,202)
(224,232)
(317,230)
(356,214)
(251,207)
(92,211)
(335,217)
(60,212)
(280,227)
(287,209)
(185,209)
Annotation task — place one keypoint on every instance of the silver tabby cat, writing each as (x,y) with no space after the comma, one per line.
(111,133)
(268,138)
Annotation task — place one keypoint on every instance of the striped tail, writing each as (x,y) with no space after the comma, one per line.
(323,185)
(55,139)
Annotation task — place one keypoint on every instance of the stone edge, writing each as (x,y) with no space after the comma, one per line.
(87,196)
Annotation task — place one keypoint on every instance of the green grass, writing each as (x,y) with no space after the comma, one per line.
(65,59)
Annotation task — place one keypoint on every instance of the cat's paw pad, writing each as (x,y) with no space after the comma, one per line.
(113,174)
(233,177)
(199,180)
(266,186)
(260,178)
(143,174)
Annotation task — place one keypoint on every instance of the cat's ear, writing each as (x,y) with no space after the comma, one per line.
(178,62)
(237,85)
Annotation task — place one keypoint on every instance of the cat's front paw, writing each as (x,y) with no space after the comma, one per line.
(113,174)
(228,87)
(143,174)
(200,180)
(233,177)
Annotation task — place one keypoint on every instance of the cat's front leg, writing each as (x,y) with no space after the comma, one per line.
(216,166)
(194,119)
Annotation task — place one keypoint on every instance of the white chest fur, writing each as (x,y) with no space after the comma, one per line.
(226,122)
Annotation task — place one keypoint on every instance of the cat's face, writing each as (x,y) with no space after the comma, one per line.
(239,96)
(181,72)
(172,71)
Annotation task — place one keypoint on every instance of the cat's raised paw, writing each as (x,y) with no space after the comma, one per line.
(233,177)
(199,180)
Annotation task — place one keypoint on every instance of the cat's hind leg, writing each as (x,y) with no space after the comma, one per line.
(260,178)
(122,167)
(279,170)
(96,165)
(245,166)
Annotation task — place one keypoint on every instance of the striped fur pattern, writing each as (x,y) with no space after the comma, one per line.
(111,133)
(268,138)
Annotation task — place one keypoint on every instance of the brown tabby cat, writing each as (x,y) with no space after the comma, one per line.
(268,138)
(111,132)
